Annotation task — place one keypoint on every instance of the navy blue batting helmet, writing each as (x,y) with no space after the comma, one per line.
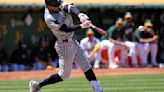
(53,2)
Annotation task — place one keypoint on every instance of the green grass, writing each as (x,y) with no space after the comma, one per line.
(128,83)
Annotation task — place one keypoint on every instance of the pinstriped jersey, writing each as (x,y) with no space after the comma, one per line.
(55,20)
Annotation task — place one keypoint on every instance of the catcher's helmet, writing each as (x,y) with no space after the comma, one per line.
(53,2)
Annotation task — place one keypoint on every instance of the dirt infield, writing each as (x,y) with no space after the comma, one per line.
(79,73)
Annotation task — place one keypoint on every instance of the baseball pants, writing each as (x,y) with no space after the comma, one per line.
(68,53)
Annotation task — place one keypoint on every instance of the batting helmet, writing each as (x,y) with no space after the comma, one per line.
(53,2)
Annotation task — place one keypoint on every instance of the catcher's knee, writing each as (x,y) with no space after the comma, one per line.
(64,75)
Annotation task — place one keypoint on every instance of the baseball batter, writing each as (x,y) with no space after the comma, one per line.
(58,19)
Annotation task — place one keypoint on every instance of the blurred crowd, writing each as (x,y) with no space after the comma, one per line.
(125,45)
(42,56)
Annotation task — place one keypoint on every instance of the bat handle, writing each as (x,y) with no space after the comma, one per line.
(93,26)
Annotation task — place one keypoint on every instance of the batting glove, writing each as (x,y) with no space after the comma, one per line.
(83,17)
(85,24)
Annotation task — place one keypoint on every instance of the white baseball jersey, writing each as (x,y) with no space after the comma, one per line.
(69,51)
(55,20)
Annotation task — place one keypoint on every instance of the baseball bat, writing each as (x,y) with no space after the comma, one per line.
(99,30)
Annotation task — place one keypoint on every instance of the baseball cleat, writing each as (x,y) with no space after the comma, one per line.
(96,86)
(34,86)
(98,89)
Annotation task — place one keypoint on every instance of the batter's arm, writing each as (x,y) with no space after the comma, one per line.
(66,28)
(74,10)
(53,24)
(71,9)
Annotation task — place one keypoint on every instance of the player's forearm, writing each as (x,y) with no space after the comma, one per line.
(66,28)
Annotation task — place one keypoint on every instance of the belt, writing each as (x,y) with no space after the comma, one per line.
(66,40)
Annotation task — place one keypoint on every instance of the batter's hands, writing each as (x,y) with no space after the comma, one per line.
(85,24)
(83,17)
